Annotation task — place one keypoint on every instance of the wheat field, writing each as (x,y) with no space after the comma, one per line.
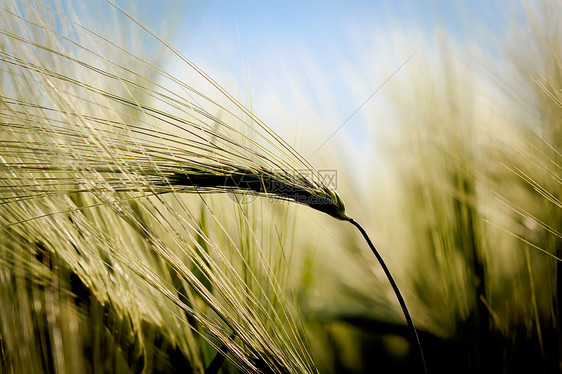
(153,220)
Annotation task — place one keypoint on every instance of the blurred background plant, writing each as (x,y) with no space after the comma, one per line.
(455,171)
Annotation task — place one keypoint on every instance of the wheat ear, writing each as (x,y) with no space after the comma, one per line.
(80,152)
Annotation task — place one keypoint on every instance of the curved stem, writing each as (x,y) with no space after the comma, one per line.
(395,288)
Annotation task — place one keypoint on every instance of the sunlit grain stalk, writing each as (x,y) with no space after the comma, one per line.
(70,126)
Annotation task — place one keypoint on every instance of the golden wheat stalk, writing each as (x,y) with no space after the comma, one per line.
(76,120)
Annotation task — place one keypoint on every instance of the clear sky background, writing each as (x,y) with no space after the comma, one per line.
(315,62)
(305,66)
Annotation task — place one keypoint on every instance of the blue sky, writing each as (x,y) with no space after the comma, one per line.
(317,61)
(257,42)
(308,65)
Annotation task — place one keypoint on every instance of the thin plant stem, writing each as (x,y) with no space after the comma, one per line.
(396,290)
